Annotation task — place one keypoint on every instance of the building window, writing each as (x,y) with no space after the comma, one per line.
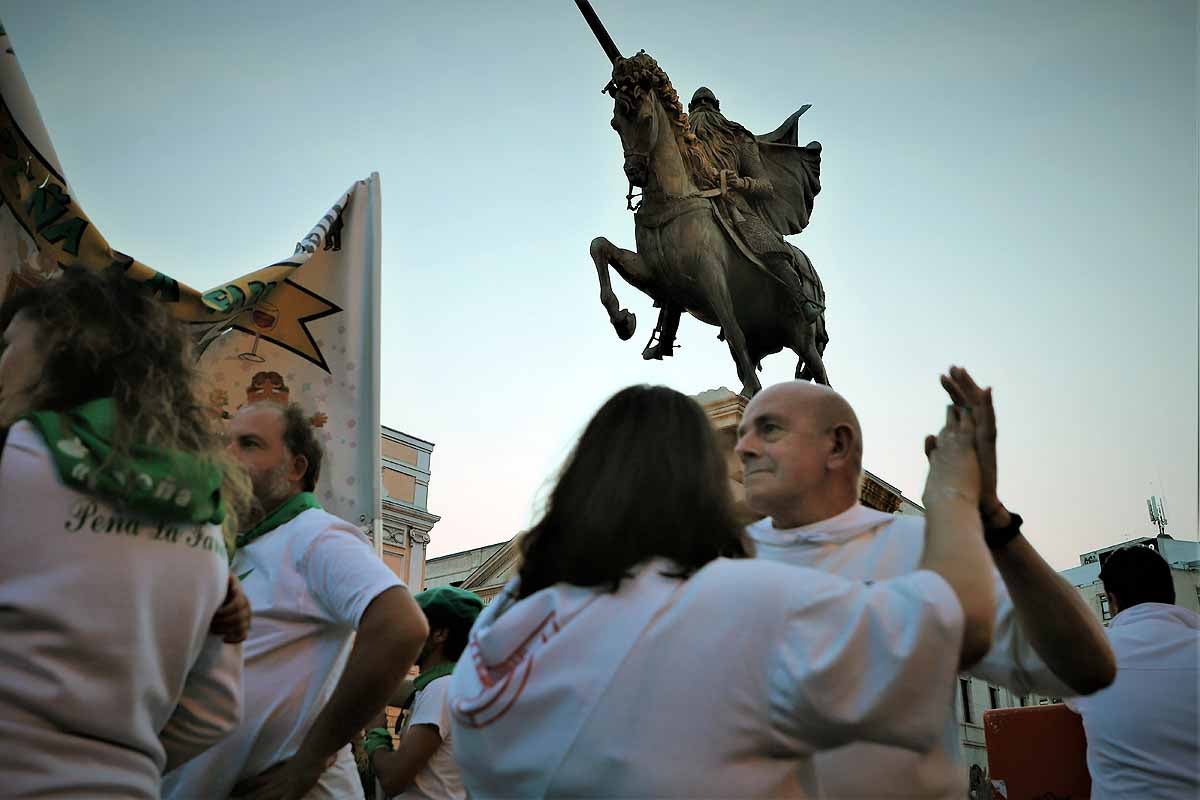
(1105,610)
(964,686)
(993,697)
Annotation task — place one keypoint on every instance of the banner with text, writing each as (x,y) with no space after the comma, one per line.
(302,330)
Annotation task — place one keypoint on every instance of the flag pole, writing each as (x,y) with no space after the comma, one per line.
(374,201)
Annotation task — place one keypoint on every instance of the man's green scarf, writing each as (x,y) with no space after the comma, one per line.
(291,508)
(427,676)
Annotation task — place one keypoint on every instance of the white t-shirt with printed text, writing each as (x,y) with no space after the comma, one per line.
(867,545)
(308,582)
(107,670)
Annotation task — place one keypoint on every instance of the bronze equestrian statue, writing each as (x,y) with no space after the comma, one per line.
(715,204)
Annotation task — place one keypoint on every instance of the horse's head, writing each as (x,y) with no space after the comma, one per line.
(636,123)
(634,112)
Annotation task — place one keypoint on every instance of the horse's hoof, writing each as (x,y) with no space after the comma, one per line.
(655,353)
(749,390)
(625,323)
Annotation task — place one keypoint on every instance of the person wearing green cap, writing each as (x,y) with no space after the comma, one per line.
(423,766)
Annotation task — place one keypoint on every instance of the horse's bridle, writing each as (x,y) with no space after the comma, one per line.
(630,196)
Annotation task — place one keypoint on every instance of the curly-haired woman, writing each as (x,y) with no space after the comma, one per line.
(113,563)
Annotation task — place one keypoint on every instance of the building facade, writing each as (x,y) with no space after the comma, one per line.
(407,521)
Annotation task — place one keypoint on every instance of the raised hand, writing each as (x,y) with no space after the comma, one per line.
(966,393)
(953,463)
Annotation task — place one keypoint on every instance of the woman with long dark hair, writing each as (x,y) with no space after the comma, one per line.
(641,653)
(113,492)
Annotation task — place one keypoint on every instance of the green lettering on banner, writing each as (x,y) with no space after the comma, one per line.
(236,295)
(8,145)
(70,233)
(49,203)
(166,288)
(218,298)
(258,289)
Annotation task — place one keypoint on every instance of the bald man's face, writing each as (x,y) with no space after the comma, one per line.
(791,441)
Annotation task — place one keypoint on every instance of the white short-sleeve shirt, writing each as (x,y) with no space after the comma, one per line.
(439,779)
(722,685)
(107,670)
(1143,731)
(308,582)
(867,545)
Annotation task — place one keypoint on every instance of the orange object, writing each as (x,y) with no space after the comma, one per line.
(1037,752)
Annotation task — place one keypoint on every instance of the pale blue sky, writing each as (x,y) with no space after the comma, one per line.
(1010,185)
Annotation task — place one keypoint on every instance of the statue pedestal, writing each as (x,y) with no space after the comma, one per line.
(726,409)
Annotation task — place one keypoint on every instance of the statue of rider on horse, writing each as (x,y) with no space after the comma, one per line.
(716,203)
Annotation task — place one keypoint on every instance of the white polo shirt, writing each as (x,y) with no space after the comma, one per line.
(107,670)
(1143,731)
(723,685)
(867,545)
(308,582)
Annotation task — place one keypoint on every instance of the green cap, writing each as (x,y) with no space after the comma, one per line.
(451,601)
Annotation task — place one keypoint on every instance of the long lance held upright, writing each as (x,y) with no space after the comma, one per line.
(606,42)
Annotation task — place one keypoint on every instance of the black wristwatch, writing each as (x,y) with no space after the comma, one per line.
(998,538)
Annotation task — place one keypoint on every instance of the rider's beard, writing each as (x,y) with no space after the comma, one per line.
(718,137)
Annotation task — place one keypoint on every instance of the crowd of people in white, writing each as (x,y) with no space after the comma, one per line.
(180,618)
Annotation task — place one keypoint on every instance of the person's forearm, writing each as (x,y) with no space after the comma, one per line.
(1055,619)
(955,550)
(384,649)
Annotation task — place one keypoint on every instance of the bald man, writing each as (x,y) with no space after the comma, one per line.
(801,448)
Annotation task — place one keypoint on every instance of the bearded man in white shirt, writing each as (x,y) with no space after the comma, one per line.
(333,633)
(1143,737)
(801,446)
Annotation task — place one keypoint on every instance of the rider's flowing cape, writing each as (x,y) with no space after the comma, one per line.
(795,172)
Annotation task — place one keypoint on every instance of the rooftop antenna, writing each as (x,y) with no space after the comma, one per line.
(1158,514)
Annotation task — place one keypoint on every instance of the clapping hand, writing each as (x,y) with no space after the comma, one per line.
(967,394)
(953,464)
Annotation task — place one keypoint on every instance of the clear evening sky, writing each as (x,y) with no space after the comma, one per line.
(1008,185)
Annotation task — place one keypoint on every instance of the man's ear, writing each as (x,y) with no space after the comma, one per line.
(1114,603)
(843,447)
(297,468)
(439,636)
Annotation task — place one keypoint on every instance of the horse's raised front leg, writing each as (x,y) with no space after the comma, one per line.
(603,253)
(668,325)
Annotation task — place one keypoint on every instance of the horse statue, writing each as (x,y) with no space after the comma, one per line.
(690,255)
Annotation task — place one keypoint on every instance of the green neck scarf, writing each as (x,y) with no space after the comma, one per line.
(163,484)
(291,508)
(427,676)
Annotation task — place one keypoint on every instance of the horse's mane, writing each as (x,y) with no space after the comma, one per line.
(642,73)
